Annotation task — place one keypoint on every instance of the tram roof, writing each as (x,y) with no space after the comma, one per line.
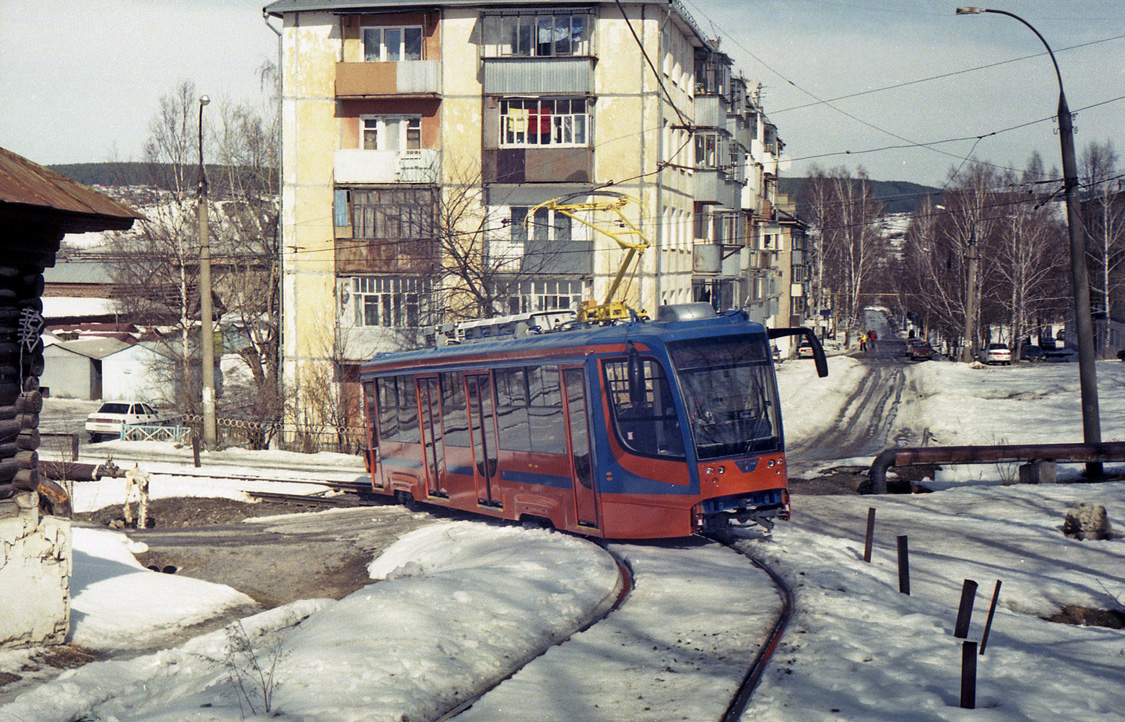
(658,332)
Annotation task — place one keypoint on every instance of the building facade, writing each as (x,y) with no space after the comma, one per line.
(421,138)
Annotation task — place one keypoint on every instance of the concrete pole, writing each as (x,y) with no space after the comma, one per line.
(207,321)
(969,352)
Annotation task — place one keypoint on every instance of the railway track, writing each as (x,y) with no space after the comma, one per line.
(765,653)
(746,686)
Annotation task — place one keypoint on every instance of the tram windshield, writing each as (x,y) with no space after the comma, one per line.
(729,395)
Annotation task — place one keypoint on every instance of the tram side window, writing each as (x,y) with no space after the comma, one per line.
(388,409)
(644,416)
(455,418)
(511,409)
(548,427)
(408,429)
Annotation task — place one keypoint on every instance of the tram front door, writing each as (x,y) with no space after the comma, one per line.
(581,460)
(482,427)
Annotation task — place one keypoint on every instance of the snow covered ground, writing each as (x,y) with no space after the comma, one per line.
(462,604)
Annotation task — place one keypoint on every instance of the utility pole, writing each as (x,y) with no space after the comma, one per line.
(969,352)
(206,321)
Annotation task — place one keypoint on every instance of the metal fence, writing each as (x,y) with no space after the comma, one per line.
(256,435)
(145,432)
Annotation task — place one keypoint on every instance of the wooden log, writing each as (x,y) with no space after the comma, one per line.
(28,440)
(30,403)
(9,394)
(8,469)
(27,459)
(26,479)
(9,428)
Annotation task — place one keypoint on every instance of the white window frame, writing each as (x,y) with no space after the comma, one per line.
(539,34)
(390,301)
(547,294)
(385,126)
(547,226)
(387,54)
(559,122)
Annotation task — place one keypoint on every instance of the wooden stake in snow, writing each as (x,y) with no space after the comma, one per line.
(988,621)
(870,534)
(968,675)
(903,566)
(965,611)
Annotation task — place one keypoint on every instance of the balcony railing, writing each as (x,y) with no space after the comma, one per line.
(387,166)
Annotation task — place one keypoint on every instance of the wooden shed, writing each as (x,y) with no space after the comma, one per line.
(37,208)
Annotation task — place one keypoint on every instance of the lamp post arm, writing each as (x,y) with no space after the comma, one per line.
(1043,40)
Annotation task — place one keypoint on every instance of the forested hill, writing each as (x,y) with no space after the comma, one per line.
(106,174)
(897,196)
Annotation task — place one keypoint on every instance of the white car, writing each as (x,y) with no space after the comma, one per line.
(996,353)
(114,415)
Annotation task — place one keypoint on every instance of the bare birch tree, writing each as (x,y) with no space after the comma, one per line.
(1104,216)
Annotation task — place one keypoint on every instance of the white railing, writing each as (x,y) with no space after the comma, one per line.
(144,432)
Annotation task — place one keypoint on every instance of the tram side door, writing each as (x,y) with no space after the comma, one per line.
(429,394)
(482,428)
(581,457)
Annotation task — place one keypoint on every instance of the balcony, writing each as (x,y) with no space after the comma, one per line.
(387,166)
(717,187)
(538,165)
(420,78)
(535,76)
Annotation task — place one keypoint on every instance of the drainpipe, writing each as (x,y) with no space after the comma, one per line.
(279,248)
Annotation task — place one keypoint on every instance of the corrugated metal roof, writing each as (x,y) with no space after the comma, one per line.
(27,187)
(87,271)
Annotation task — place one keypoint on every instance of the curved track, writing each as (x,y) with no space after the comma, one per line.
(610,604)
(765,652)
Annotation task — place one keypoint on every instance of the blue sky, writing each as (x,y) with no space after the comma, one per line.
(81,79)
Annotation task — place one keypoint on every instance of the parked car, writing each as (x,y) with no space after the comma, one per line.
(1031,353)
(920,350)
(804,351)
(996,353)
(114,415)
(1061,354)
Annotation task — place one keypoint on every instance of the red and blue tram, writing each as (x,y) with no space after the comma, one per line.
(633,431)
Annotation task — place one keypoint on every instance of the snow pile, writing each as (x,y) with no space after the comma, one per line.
(462,604)
(858,649)
(118,604)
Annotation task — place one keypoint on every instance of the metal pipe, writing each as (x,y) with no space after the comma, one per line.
(1107,451)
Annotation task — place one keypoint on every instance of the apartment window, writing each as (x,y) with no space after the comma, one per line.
(392,132)
(712,150)
(388,213)
(544,121)
(546,295)
(539,35)
(391,44)
(390,301)
(546,225)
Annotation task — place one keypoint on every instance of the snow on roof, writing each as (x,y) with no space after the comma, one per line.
(65,306)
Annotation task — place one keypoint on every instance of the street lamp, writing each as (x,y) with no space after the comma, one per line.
(206,321)
(1080,283)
